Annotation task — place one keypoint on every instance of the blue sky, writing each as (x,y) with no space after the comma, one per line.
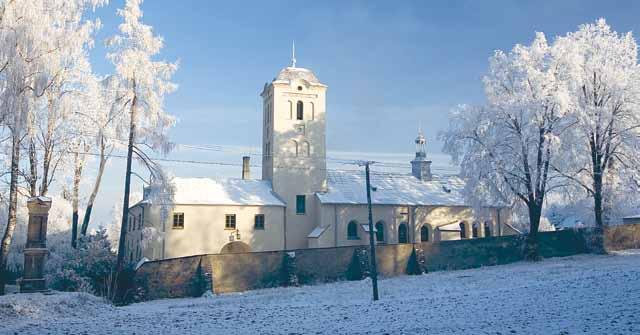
(389,65)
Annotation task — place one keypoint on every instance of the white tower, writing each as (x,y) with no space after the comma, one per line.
(294,156)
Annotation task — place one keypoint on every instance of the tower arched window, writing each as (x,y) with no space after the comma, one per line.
(300,110)
(294,148)
(305,149)
(313,111)
(424,234)
(352,230)
(380,231)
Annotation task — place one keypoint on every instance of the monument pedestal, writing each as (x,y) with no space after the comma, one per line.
(35,252)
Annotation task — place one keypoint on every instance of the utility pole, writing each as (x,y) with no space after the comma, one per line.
(372,242)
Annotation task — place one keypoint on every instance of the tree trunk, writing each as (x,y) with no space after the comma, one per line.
(96,188)
(75,198)
(12,215)
(531,246)
(33,169)
(127,185)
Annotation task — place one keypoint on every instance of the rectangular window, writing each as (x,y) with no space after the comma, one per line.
(259,222)
(230,221)
(178,220)
(139,221)
(301,204)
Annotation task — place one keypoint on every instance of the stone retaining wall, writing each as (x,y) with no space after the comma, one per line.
(247,271)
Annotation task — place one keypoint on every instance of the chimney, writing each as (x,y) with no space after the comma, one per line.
(246,173)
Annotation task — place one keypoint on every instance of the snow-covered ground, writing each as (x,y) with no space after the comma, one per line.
(581,294)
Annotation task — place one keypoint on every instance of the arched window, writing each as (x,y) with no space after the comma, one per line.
(487,229)
(463,230)
(294,148)
(475,231)
(305,149)
(403,236)
(313,111)
(352,230)
(300,110)
(424,234)
(380,231)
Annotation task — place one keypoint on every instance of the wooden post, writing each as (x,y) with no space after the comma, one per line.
(35,252)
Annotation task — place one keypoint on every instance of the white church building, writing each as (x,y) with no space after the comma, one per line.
(299,203)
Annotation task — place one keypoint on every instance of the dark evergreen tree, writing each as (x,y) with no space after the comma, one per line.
(413,266)
(199,282)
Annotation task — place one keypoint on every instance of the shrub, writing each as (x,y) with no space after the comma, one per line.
(413,265)
(359,266)
(199,283)
(85,269)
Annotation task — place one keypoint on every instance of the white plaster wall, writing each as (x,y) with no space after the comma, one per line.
(291,174)
(204,230)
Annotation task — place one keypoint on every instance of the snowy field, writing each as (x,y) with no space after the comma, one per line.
(575,295)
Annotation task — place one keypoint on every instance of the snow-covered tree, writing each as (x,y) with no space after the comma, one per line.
(601,71)
(506,147)
(34,36)
(143,84)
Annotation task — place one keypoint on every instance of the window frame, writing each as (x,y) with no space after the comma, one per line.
(352,227)
(379,226)
(256,226)
(229,220)
(301,206)
(487,229)
(463,230)
(424,232)
(299,110)
(403,227)
(180,225)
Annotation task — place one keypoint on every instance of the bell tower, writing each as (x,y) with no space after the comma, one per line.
(294,145)
(420,166)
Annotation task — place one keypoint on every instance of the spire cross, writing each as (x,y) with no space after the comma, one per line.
(293,54)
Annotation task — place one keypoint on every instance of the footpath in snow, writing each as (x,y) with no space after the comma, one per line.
(585,294)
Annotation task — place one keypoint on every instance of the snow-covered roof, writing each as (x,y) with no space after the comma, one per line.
(365,227)
(292,73)
(207,191)
(349,188)
(316,232)
(450,227)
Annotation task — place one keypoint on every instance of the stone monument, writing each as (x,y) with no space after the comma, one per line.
(35,251)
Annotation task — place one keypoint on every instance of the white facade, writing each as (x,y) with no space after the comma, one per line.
(302,204)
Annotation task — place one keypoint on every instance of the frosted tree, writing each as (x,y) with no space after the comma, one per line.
(505,148)
(108,123)
(601,71)
(32,35)
(143,84)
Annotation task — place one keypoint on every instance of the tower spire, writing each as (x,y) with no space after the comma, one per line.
(293,54)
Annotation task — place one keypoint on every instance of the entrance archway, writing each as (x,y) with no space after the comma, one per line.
(235,247)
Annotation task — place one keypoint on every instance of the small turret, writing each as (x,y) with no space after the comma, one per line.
(420,166)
